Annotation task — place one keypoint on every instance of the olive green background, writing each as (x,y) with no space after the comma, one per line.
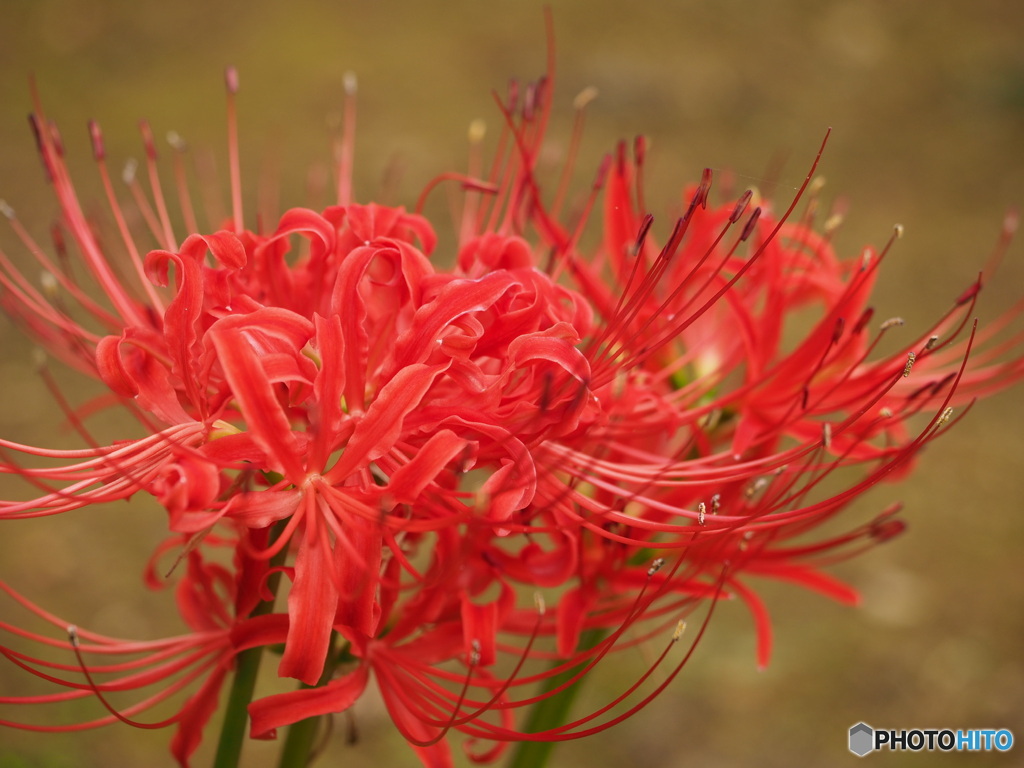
(926,101)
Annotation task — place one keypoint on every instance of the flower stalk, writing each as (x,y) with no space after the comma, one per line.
(300,740)
(236,711)
(552,711)
(243,684)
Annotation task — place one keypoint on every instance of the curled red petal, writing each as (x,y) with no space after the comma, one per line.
(273,712)
(380,426)
(409,480)
(264,416)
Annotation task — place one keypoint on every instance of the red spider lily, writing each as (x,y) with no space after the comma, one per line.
(630,433)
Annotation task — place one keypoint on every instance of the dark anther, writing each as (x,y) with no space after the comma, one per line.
(751,223)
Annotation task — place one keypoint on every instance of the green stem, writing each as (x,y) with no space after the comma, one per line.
(236,716)
(298,744)
(247,666)
(551,711)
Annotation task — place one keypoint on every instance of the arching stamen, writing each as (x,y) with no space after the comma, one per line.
(129,175)
(469,183)
(181,183)
(569,247)
(579,104)
(231,85)
(474,169)
(1011,221)
(75,646)
(569,730)
(346,150)
(27,297)
(639,156)
(169,242)
(100,154)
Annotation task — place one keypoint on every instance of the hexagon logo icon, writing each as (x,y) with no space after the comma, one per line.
(862,738)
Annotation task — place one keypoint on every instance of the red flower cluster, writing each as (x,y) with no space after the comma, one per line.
(431,454)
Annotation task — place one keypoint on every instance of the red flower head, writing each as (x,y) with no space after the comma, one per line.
(431,454)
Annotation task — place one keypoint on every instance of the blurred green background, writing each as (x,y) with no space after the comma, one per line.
(927,106)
